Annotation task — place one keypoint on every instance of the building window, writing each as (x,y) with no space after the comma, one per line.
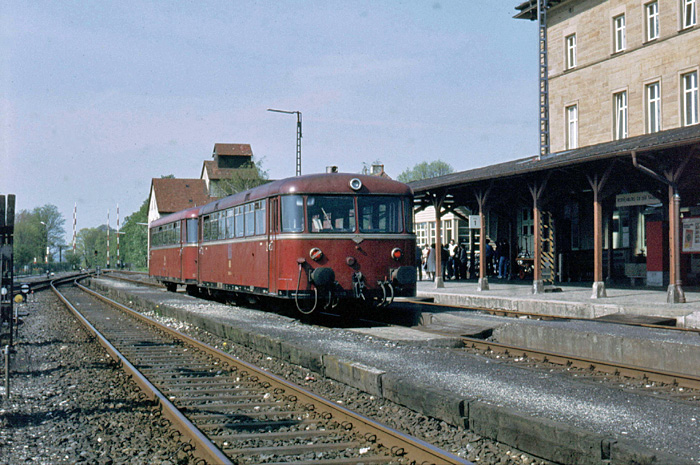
(652,12)
(572,127)
(620,115)
(688,13)
(689,84)
(653,100)
(619,37)
(571,51)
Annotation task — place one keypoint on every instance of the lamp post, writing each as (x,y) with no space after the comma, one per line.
(298,113)
(47,245)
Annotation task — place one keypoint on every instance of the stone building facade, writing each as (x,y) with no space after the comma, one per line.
(620,68)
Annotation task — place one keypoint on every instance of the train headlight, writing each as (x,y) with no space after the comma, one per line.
(355,184)
(350,261)
(397,254)
(316,254)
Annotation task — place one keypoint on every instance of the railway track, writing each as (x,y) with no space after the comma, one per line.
(232,412)
(140,282)
(629,371)
(547,317)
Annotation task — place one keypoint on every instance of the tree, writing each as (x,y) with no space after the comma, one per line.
(92,246)
(134,241)
(247,176)
(35,231)
(425,170)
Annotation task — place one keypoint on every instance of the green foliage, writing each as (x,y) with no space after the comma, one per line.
(134,241)
(425,170)
(248,176)
(34,231)
(91,240)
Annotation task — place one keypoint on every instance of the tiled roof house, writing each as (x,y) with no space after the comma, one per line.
(169,195)
(226,159)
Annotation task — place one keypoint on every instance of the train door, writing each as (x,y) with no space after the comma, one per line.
(272,249)
(179,231)
(188,250)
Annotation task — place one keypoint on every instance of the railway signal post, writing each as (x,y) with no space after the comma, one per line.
(7,227)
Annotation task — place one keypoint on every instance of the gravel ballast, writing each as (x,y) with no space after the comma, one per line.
(576,420)
(70,403)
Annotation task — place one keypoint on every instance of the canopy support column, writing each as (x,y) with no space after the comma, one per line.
(597,184)
(438,200)
(483,284)
(671,177)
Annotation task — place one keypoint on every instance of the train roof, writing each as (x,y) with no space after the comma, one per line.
(322,183)
(189,213)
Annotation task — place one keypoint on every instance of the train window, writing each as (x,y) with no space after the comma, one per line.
(206,226)
(260,217)
(192,230)
(379,214)
(229,224)
(222,224)
(249,219)
(331,213)
(240,231)
(292,213)
(408,215)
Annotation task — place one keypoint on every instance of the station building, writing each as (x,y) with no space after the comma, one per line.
(614,194)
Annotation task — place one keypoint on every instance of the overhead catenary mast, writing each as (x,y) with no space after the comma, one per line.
(544,78)
(298,113)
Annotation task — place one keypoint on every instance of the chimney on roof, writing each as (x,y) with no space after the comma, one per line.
(331,169)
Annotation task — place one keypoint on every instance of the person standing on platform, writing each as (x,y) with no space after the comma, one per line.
(444,258)
(489,257)
(430,263)
(419,262)
(502,252)
(451,261)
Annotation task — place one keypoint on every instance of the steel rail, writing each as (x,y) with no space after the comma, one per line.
(134,281)
(547,316)
(203,447)
(631,371)
(419,452)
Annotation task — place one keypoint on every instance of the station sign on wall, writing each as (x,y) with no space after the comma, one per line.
(691,235)
(635,199)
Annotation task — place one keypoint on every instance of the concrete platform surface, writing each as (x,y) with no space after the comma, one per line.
(573,301)
(548,414)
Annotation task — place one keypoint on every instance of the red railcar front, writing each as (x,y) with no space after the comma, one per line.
(316,239)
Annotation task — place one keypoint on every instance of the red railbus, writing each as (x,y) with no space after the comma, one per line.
(316,239)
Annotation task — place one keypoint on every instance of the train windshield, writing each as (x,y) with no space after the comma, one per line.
(380,214)
(328,213)
(292,213)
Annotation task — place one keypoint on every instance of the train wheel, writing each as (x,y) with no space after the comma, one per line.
(192,290)
(171,287)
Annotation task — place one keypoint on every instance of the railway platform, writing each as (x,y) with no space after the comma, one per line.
(548,414)
(567,300)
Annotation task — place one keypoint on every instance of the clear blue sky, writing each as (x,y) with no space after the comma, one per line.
(98,97)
